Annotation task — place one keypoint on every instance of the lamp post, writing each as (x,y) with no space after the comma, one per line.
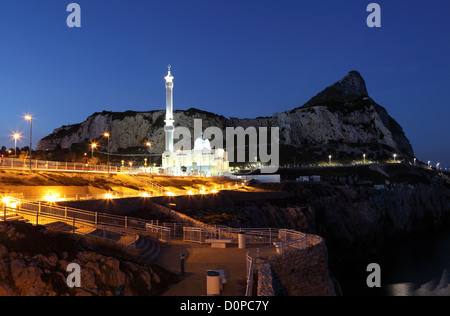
(364,158)
(16,137)
(149,145)
(28,117)
(107,135)
(93,145)
(395,156)
(329,160)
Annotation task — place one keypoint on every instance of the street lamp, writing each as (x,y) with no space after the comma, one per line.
(93,145)
(16,137)
(107,135)
(148,144)
(395,156)
(364,158)
(329,160)
(29,118)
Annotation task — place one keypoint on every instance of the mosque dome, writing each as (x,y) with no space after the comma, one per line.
(202,144)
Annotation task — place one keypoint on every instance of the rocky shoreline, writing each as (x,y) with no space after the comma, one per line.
(33,262)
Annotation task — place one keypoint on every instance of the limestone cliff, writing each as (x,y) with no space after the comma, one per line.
(341,120)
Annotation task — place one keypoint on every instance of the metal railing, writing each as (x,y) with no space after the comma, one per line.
(24,164)
(287,240)
(95,218)
(72,225)
(151,184)
(162,233)
(253,235)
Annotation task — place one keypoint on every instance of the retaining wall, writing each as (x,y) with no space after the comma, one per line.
(300,272)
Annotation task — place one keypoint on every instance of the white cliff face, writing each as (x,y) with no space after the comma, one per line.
(126,131)
(320,125)
(341,114)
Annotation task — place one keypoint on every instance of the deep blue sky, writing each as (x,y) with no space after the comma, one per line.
(241,58)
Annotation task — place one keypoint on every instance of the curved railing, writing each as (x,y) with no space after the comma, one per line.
(288,240)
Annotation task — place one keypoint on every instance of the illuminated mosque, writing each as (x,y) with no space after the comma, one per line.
(202,160)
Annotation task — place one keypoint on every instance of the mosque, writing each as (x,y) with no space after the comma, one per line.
(201,160)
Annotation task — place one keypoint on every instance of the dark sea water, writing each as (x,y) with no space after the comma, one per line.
(418,265)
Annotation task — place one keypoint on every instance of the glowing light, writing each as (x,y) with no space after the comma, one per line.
(202,192)
(109,196)
(145,194)
(10,202)
(170,194)
(52,197)
(214,191)
(190,192)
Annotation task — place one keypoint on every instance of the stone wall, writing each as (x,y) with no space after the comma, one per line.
(300,272)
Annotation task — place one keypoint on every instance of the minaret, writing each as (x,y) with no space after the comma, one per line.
(169,112)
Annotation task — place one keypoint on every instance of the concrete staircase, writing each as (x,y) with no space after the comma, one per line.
(150,249)
(154,186)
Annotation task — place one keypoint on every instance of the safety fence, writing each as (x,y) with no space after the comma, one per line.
(287,240)
(24,164)
(163,232)
(80,197)
(253,235)
(71,225)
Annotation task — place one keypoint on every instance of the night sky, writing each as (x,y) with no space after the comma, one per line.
(245,58)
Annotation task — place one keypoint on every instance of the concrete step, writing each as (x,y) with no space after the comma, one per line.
(150,249)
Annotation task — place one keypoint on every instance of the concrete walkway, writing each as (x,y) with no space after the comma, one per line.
(198,259)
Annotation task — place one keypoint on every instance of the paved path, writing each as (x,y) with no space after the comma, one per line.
(200,258)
